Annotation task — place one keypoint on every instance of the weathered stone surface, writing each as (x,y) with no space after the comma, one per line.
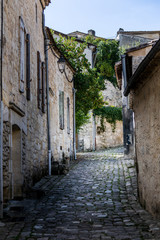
(32,123)
(91,133)
(147,114)
(61,139)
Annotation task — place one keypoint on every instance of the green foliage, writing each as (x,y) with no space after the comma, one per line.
(86,80)
(89,82)
(108,53)
(111,114)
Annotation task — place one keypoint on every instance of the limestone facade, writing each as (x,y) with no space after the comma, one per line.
(61,106)
(25,157)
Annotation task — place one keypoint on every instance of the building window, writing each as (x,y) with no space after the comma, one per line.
(68,115)
(61,109)
(22,56)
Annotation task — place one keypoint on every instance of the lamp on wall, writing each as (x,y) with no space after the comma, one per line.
(61,64)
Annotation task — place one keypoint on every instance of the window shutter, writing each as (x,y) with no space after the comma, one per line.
(68,115)
(28,67)
(39,90)
(61,109)
(43,87)
(22,46)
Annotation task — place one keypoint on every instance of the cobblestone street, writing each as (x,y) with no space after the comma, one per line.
(96,200)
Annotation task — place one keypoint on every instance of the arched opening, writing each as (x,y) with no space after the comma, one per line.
(17,177)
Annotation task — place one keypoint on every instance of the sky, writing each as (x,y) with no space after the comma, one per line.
(103,16)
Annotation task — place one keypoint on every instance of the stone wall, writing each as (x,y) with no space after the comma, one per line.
(146,108)
(61,139)
(108,138)
(6,157)
(24,113)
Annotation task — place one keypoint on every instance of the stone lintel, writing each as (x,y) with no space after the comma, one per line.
(16,109)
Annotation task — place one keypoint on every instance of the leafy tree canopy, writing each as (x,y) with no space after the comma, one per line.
(86,80)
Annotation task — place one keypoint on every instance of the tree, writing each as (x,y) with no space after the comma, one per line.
(87,82)
(108,53)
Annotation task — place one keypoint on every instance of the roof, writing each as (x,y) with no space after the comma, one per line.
(137,32)
(141,46)
(86,34)
(56,49)
(145,67)
(68,36)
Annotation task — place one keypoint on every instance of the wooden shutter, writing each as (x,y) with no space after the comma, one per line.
(39,87)
(61,109)
(68,115)
(28,94)
(22,46)
(43,87)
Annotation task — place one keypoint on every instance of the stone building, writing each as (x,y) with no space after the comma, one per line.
(130,41)
(62,101)
(142,89)
(37,99)
(25,149)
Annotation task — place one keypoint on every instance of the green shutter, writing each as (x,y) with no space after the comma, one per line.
(61,109)
(68,115)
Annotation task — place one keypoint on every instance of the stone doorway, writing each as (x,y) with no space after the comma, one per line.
(17,177)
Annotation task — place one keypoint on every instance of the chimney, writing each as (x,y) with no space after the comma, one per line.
(91,32)
(121,30)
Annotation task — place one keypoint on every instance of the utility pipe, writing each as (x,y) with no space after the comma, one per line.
(47,93)
(1,118)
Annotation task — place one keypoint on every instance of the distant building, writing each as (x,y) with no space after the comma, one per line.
(129,39)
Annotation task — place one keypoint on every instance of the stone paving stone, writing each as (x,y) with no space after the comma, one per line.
(96,200)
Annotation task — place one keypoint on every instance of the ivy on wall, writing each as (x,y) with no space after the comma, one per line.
(111,114)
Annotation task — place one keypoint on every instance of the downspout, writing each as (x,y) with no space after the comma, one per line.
(94,55)
(124,70)
(1,119)
(47,94)
(74,122)
(124,104)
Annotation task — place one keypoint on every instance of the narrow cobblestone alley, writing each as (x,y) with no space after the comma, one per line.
(96,200)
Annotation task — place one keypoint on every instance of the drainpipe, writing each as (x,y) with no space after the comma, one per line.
(47,93)
(1,119)
(123,57)
(94,118)
(94,132)
(125,105)
(74,123)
